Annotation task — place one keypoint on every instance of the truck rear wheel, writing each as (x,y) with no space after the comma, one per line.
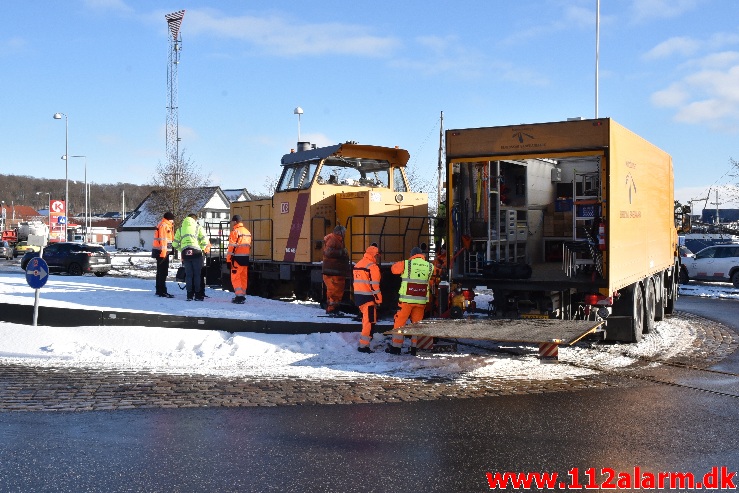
(631,304)
(672,288)
(650,305)
(637,312)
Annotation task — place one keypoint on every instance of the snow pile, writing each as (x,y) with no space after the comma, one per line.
(314,356)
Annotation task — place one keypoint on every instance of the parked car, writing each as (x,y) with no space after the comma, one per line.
(6,250)
(715,263)
(22,247)
(73,258)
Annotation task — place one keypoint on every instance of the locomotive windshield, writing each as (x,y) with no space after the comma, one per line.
(336,170)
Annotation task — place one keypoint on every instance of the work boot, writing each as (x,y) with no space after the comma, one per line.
(413,351)
(239,300)
(189,295)
(165,295)
(392,350)
(365,349)
(199,297)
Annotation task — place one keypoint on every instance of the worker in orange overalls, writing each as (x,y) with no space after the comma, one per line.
(237,258)
(367,295)
(413,296)
(335,268)
(161,249)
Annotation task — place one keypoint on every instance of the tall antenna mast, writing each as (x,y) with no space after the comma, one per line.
(174,20)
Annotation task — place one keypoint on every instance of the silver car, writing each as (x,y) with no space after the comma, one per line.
(715,263)
(6,251)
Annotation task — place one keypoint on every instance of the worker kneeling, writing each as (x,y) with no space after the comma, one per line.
(367,295)
(413,296)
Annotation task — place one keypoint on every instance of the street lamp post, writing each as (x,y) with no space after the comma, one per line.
(86,201)
(58,116)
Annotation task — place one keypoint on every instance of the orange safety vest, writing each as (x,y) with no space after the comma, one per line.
(163,237)
(367,279)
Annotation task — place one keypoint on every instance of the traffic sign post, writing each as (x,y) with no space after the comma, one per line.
(37,273)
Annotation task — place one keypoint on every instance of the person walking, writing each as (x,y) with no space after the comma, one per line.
(190,241)
(413,296)
(335,268)
(367,295)
(161,249)
(237,258)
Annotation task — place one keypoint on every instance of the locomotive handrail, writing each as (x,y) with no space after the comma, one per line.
(411,231)
(255,241)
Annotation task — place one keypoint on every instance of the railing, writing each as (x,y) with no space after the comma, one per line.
(394,235)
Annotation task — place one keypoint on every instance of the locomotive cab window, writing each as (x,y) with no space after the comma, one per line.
(297,177)
(354,173)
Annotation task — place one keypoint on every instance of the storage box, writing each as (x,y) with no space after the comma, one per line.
(592,210)
(562,205)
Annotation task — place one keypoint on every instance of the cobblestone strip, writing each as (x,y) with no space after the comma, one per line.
(43,389)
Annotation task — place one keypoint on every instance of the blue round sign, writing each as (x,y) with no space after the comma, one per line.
(37,272)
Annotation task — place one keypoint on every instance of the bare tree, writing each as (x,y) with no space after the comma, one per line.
(734,194)
(178,188)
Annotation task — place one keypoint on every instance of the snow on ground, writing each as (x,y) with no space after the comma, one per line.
(314,356)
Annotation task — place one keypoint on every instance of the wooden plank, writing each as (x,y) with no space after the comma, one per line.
(532,331)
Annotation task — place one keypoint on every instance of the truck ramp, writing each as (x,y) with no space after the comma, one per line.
(530,331)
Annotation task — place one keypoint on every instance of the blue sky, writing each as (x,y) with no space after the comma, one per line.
(375,72)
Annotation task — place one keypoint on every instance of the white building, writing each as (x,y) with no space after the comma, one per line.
(137,231)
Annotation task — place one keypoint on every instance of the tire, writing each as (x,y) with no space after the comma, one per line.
(735,279)
(100,274)
(650,305)
(637,312)
(75,269)
(684,276)
(672,291)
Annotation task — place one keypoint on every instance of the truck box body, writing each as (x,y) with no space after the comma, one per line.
(586,204)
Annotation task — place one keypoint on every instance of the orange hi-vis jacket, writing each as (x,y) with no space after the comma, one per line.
(239,245)
(367,278)
(163,236)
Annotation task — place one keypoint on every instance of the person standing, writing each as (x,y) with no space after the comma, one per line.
(440,272)
(161,249)
(335,268)
(237,258)
(367,295)
(413,296)
(190,241)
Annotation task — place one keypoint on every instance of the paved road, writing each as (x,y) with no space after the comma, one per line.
(418,437)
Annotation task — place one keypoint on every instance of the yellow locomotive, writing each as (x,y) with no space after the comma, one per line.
(361,187)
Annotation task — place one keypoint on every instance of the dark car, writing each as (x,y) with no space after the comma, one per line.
(73,258)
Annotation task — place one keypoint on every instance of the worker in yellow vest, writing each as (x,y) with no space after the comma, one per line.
(413,296)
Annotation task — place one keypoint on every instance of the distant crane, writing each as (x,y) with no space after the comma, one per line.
(174,21)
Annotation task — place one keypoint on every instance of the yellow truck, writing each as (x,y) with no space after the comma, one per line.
(361,187)
(568,220)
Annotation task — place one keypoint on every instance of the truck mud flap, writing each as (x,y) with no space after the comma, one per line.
(619,328)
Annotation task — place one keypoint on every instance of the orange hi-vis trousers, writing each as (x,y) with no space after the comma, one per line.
(239,277)
(414,311)
(369,317)
(334,291)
